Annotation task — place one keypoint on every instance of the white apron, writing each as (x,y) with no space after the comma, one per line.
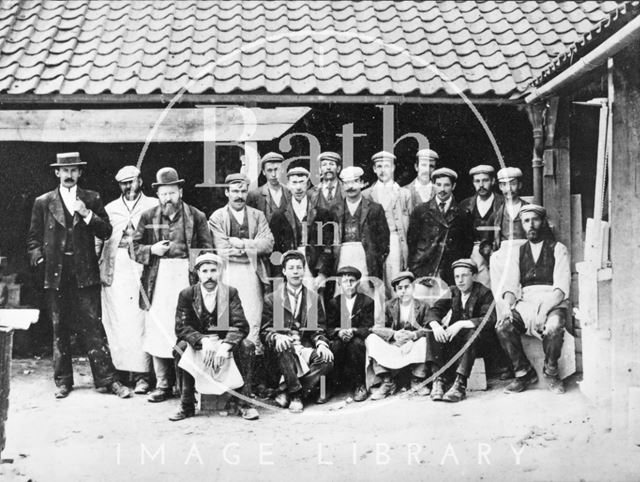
(483,275)
(122,317)
(509,252)
(160,320)
(529,306)
(352,254)
(243,277)
(392,263)
(209,382)
(391,356)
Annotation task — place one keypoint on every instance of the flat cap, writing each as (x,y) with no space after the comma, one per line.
(330,156)
(204,258)
(383,156)
(292,254)
(444,172)
(349,271)
(465,263)
(298,171)
(402,275)
(508,173)
(427,154)
(351,172)
(482,169)
(271,157)
(533,208)
(236,177)
(127,173)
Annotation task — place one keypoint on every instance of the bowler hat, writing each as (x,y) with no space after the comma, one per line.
(68,159)
(167,176)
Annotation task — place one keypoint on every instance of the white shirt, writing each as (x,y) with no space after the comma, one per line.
(239,215)
(69,197)
(209,298)
(513,208)
(424,190)
(329,185)
(276,195)
(295,300)
(484,205)
(384,193)
(353,207)
(447,203)
(299,207)
(350,302)
(406,312)
(465,297)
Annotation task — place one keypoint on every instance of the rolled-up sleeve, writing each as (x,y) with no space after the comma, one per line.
(562,269)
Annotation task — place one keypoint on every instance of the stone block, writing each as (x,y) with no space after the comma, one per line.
(478,377)
(213,403)
(567,362)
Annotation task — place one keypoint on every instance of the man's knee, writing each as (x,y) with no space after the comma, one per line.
(179,349)
(357,344)
(555,324)
(246,347)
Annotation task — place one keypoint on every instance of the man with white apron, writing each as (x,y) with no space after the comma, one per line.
(122,317)
(536,291)
(481,209)
(162,242)
(396,202)
(509,232)
(242,237)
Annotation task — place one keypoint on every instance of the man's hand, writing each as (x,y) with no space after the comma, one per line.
(453,330)
(438,332)
(208,351)
(221,356)
(403,336)
(160,248)
(346,335)
(325,354)
(541,319)
(81,209)
(319,281)
(236,243)
(283,343)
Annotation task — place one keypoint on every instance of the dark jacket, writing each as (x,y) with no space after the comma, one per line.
(148,233)
(310,302)
(488,233)
(47,236)
(375,236)
(436,240)
(190,326)
(361,319)
(336,205)
(480,303)
(393,323)
(259,199)
(319,250)
(497,223)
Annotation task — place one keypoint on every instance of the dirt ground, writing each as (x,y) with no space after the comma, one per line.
(490,436)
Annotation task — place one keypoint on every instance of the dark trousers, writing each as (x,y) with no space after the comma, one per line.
(349,362)
(244,354)
(510,330)
(286,362)
(72,307)
(442,353)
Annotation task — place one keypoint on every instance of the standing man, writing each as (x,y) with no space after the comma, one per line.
(364,240)
(439,231)
(481,209)
(294,336)
(210,322)
(243,239)
(272,196)
(537,292)
(421,188)
(396,202)
(329,194)
(61,243)
(350,318)
(470,302)
(161,243)
(510,233)
(122,317)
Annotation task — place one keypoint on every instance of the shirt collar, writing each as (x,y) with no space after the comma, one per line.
(69,191)
(487,201)
(206,293)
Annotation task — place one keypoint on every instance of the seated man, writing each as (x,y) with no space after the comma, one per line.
(293,335)
(350,317)
(402,342)
(470,303)
(536,294)
(210,320)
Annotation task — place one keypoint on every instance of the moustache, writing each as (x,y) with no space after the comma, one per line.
(68,179)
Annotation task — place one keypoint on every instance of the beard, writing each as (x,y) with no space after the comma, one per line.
(169,208)
(533,235)
(130,193)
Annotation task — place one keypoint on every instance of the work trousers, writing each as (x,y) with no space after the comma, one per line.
(349,362)
(286,365)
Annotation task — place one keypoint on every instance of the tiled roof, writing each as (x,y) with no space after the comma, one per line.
(485,49)
(614,21)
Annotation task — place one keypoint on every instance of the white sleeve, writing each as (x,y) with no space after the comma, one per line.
(562,269)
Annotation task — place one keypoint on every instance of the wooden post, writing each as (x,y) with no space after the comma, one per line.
(535,113)
(625,234)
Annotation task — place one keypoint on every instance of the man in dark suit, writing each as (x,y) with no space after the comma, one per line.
(470,303)
(329,194)
(481,209)
(210,319)
(271,197)
(350,317)
(61,243)
(293,333)
(439,231)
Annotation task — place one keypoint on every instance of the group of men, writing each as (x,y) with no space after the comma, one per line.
(299,291)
